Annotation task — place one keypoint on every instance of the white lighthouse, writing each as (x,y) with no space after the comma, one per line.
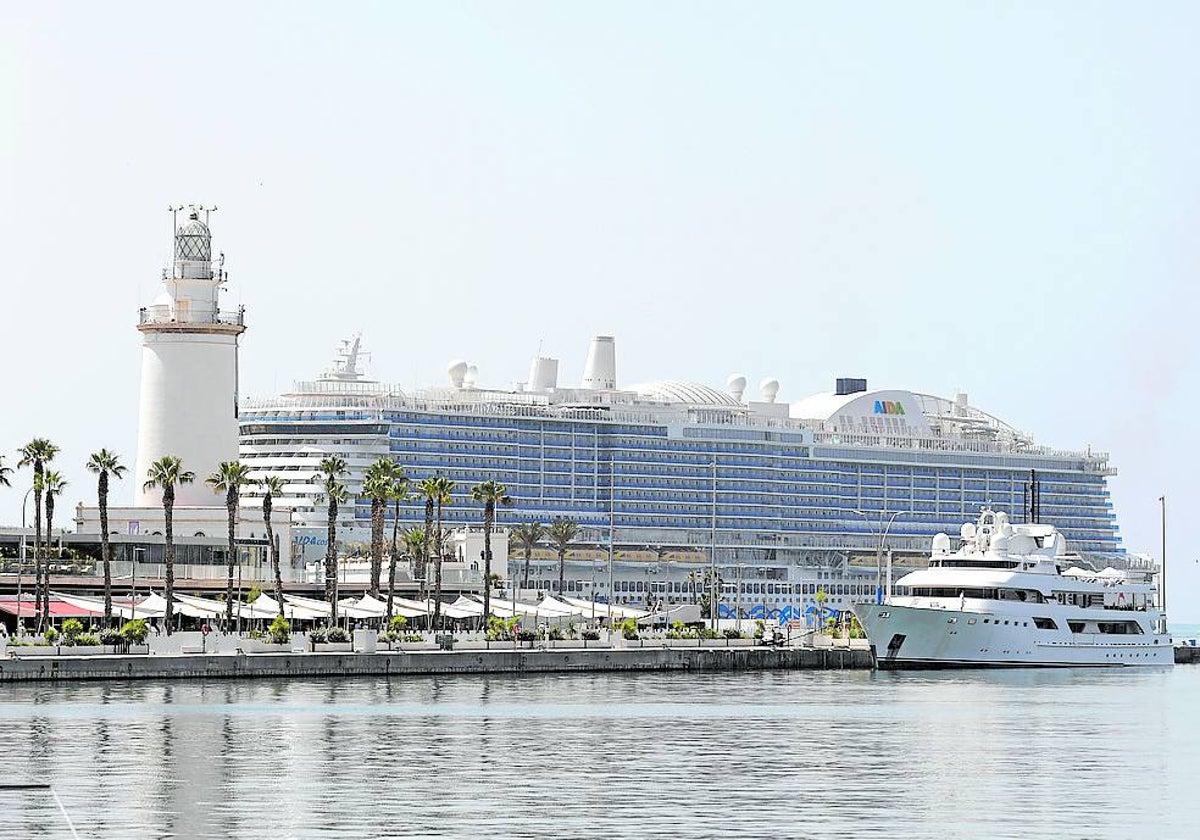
(189,393)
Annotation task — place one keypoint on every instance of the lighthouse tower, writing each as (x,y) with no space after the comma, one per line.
(188,405)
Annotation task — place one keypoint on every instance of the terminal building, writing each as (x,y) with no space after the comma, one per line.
(785,499)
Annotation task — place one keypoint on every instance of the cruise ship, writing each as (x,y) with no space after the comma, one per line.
(821,495)
(1011,595)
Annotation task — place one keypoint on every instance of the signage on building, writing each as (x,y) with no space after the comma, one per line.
(888,407)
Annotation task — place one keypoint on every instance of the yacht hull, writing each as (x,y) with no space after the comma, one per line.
(907,637)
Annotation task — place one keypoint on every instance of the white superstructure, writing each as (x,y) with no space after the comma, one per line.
(189,390)
(1010,595)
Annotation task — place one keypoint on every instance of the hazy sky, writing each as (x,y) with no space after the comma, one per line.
(999,198)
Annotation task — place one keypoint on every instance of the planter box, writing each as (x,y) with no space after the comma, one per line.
(137,650)
(741,642)
(333,647)
(83,650)
(257,646)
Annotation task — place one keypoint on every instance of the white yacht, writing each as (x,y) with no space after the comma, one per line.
(1011,595)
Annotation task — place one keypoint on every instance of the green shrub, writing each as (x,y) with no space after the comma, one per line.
(71,628)
(591,635)
(255,634)
(526,635)
(387,637)
(674,634)
(731,633)
(499,629)
(253,595)
(51,635)
(280,630)
(760,628)
(629,629)
(398,623)
(85,640)
(110,636)
(709,633)
(317,635)
(135,631)
(337,635)
(557,634)
(413,637)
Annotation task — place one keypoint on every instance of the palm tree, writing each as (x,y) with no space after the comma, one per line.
(272,485)
(104,464)
(332,467)
(164,474)
(4,471)
(397,493)
(562,533)
(230,478)
(440,491)
(377,486)
(37,453)
(528,536)
(52,484)
(490,493)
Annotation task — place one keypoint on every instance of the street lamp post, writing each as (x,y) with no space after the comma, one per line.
(883,532)
(1162,575)
(712,553)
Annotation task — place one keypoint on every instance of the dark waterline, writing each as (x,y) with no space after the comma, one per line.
(1095,753)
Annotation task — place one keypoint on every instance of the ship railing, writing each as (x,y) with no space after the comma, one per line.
(165,314)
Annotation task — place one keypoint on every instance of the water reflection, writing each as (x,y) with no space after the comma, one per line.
(1095,753)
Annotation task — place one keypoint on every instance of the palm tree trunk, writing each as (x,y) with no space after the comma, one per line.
(274,550)
(489,516)
(37,547)
(437,570)
(392,566)
(169,556)
(45,596)
(378,507)
(105,549)
(230,555)
(525,582)
(425,547)
(562,568)
(331,569)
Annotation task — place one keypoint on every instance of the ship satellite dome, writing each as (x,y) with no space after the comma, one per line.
(967,531)
(770,389)
(941,543)
(472,376)
(736,384)
(457,370)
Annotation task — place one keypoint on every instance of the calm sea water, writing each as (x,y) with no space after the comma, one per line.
(1065,753)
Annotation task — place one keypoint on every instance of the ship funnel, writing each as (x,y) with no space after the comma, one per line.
(736,385)
(472,377)
(600,372)
(543,374)
(457,371)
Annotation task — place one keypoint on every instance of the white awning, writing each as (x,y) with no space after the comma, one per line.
(614,610)
(292,612)
(120,608)
(208,608)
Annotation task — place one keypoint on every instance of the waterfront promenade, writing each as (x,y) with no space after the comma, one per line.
(426,663)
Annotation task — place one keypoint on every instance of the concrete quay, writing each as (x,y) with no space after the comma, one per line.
(424,663)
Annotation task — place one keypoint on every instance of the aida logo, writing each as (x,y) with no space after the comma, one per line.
(888,407)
